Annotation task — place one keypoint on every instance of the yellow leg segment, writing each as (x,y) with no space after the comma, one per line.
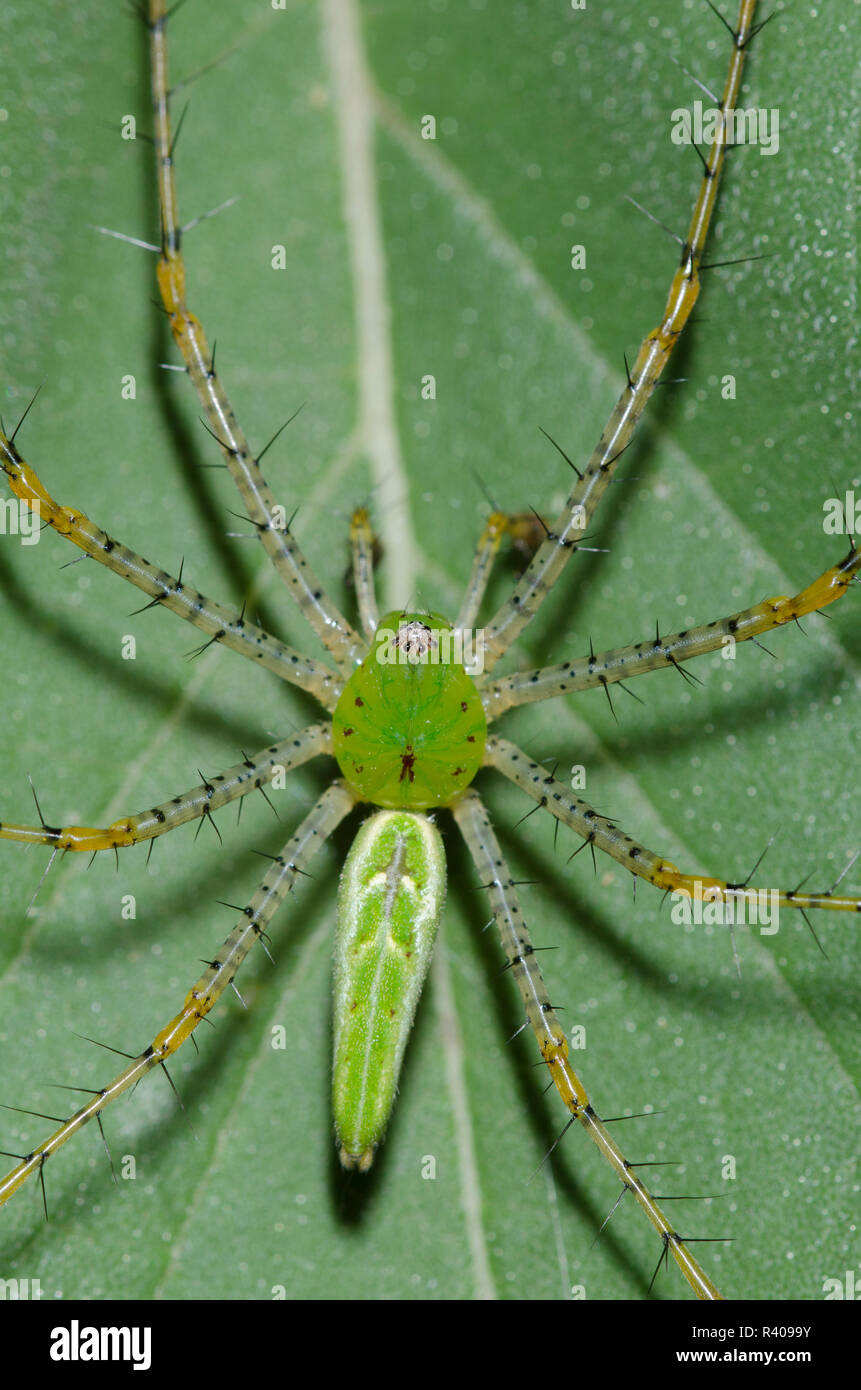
(622,663)
(525,530)
(222,624)
(604,834)
(276,538)
(322,819)
(362,555)
(566,533)
(243,778)
(474,824)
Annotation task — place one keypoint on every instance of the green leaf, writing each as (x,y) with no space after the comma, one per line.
(545,118)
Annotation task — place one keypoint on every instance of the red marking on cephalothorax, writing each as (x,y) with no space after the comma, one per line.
(408,762)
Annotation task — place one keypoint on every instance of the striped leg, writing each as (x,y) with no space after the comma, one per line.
(472,819)
(567,530)
(248,776)
(523,687)
(222,624)
(486,552)
(362,553)
(324,817)
(604,834)
(525,530)
(329,624)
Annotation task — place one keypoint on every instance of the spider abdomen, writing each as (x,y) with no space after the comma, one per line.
(389,906)
(409,728)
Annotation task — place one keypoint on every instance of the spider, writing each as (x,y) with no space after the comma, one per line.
(496,1153)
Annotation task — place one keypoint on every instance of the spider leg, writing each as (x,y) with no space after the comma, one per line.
(566,532)
(486,552)
(318,825)
(522,528)
(523,687)
(603,834)
(247,776)
(331,627)
(474,824)
(225,625)
(362,553)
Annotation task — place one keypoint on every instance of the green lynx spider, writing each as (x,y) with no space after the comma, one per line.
(582,861)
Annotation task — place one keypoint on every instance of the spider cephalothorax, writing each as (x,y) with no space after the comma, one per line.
(409,729)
